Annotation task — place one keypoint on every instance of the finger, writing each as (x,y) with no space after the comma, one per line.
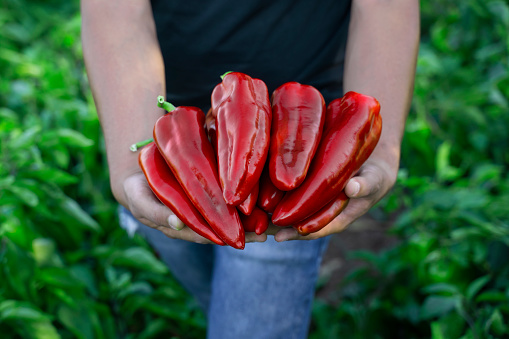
(368,182)
(144,205)
(286,234)
(272,229)
(353,211)
(253,237)
(175,222)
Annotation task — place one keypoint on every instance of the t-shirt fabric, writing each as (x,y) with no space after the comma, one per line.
(274,40)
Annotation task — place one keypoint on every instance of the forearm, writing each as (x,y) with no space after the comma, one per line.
(126,74)
(381,54)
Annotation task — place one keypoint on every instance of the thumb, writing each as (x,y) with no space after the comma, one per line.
(175,223)
(368,182)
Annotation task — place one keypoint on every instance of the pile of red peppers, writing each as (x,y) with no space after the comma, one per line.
(255,159)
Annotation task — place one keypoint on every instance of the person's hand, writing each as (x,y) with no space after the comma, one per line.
(374,179)
(145,207)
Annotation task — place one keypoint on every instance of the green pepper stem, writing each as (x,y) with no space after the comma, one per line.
(136,146)
(164,104)
(222,76)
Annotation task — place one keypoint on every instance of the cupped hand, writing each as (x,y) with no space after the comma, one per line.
(145,207)
(374,179)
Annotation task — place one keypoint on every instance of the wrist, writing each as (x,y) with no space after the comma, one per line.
(118,178)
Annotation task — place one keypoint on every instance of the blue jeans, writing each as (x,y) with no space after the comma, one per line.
(264,291)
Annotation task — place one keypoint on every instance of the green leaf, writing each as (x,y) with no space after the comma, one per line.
(73,138)
(140,258)
(492,296)
(476,286)
(59,277)
(436,306)
(86,277)
(25,195)
(135,288)
(7,181)
(60,156)
(436,331)
(41,330)
(154,329)
(20,310)
(496,323)
(445,171)
(8,115)
(77,320)
(442,288)
(449,326)
(25,139)
(53,175)
(74,211)
(18,268)
(44,252)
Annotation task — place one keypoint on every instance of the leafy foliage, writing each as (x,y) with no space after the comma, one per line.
(66,269)
(449,275)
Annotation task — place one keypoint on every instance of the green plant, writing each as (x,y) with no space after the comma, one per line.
(66,269)
(449,275)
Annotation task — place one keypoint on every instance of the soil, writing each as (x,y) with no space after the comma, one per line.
(366,233)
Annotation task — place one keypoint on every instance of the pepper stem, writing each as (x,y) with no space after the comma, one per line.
(164,104)
(136,146)
(160,103)
(222,76)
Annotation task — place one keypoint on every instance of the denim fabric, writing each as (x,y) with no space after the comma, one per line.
(264,291)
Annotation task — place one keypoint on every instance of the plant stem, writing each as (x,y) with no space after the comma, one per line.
(164,104)
(222,76)
(136,146)
(160,103)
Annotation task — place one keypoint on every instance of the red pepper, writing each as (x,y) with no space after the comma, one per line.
(269,195)
(210,123)
(298,113)
(257,221)
(333,114)
(247,206)
(323,217)
(241,106)
(167,189)
(181,138)
(342,151)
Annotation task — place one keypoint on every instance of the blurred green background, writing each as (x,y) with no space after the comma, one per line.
(68,271)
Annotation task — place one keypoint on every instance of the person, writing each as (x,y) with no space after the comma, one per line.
(137,50)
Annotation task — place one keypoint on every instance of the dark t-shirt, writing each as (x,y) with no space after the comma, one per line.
(273,40)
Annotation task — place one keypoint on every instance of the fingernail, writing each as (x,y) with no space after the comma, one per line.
(175,223)
(356,188)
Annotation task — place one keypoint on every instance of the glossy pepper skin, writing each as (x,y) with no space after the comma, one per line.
(343,149)
(269,195)
(257,221)
(323,217)
(247,206)
(241,107)
(167,189)
(298,114)
(181,138)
